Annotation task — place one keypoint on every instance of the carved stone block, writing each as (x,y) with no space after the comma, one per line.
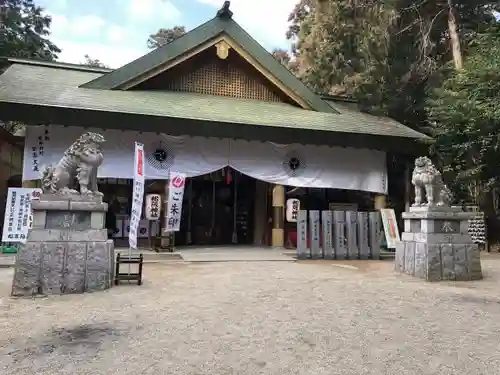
(69,253)
(441,248)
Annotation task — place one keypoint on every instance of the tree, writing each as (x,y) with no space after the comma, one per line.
(165,36)
(382,53)
(93,62)
(342,46)
(465,113)
(26,31)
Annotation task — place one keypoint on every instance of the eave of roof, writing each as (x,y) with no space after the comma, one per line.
(57,65)
(58,87)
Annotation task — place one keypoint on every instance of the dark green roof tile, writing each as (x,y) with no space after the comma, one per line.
(198,36)
(59,87)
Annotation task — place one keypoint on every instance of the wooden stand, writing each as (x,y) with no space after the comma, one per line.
(128,276)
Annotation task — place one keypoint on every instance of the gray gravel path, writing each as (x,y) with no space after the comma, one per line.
(258,318)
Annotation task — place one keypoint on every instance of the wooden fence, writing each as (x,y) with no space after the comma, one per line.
(338,235)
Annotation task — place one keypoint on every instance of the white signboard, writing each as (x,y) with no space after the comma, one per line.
(18,217)
(153,206)
(176,186)
(292,210)
(137,194)
(390,227)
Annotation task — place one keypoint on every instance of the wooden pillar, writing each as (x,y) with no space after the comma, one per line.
(407,186)
(380,202)
(278,232)
(260,212)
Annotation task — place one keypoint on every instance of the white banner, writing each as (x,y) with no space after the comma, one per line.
(292,165)
(18,217)
(173,214)
(137,195)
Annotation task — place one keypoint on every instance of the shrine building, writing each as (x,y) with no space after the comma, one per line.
(215,105)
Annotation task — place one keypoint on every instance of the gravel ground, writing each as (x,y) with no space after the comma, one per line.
(259,318)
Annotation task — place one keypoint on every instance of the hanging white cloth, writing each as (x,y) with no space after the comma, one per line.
(293,165)
(310,166)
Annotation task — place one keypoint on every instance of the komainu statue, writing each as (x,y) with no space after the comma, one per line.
(79,161)
(427,178)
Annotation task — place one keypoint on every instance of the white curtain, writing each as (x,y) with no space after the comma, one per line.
(293,165)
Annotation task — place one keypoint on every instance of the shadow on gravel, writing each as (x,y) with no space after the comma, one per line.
(78,341)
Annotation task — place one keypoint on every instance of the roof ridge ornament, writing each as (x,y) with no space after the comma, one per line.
(225,12)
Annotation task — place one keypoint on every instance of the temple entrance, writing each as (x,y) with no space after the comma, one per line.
(218,209)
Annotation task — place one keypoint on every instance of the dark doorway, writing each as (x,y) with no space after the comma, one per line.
(218,209)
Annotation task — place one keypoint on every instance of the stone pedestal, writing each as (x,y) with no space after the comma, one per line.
(67,250)
(436,245)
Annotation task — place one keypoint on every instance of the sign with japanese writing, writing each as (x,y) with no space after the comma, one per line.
(153,206)
(390,227)
(176,186)
(18,216)
(137,195)
(38,149)
(292,210)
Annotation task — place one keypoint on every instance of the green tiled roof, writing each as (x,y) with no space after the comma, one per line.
(198,36)
(59,87)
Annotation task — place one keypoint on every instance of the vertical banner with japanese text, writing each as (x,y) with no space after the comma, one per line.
(137,194)
(177,183)
(18,217)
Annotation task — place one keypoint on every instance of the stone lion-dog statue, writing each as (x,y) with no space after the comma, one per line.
(79,161)
(426,178)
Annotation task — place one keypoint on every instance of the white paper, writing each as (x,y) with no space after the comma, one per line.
(137,195)
(18,214)
(176,185)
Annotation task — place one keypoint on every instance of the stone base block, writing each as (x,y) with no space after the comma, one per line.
(63,267)
(437,262)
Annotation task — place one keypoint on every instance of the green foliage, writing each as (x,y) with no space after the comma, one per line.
(25,32)
(380,53)
(165,36)
(465,115)
(96,63)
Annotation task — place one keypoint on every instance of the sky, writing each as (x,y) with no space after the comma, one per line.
(116,31)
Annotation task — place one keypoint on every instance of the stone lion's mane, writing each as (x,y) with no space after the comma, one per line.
(424,165)
(83,142)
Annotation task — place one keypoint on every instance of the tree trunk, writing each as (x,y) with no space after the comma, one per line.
(454,39)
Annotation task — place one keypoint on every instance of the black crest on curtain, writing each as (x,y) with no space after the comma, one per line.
(294,164)
(160,156)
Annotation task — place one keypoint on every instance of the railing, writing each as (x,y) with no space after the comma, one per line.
(338,235)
